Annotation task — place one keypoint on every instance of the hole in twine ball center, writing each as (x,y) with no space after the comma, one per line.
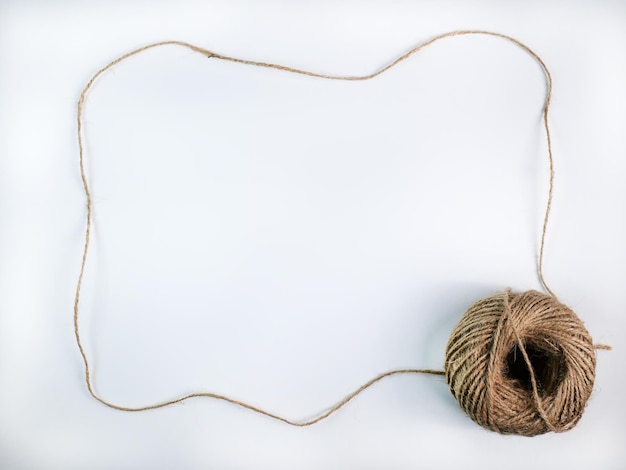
(504,342)
(549,368)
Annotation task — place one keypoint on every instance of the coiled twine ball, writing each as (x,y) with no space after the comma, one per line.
(521,363)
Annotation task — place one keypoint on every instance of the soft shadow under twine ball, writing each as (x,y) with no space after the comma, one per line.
(488,357)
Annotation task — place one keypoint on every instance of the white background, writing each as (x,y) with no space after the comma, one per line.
(283,239)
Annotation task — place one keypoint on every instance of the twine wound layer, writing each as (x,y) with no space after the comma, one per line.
(516,363)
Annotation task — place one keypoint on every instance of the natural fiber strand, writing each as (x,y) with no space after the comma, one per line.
(499,324)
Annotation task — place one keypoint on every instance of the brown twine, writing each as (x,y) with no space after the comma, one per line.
(546,388)
(550,390)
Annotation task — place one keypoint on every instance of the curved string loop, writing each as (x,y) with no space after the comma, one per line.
(211,54)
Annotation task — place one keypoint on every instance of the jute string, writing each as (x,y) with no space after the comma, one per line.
(476,357)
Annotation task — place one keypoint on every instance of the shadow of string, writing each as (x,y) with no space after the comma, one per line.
(214,55)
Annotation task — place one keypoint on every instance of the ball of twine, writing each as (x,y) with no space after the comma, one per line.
(521,363)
